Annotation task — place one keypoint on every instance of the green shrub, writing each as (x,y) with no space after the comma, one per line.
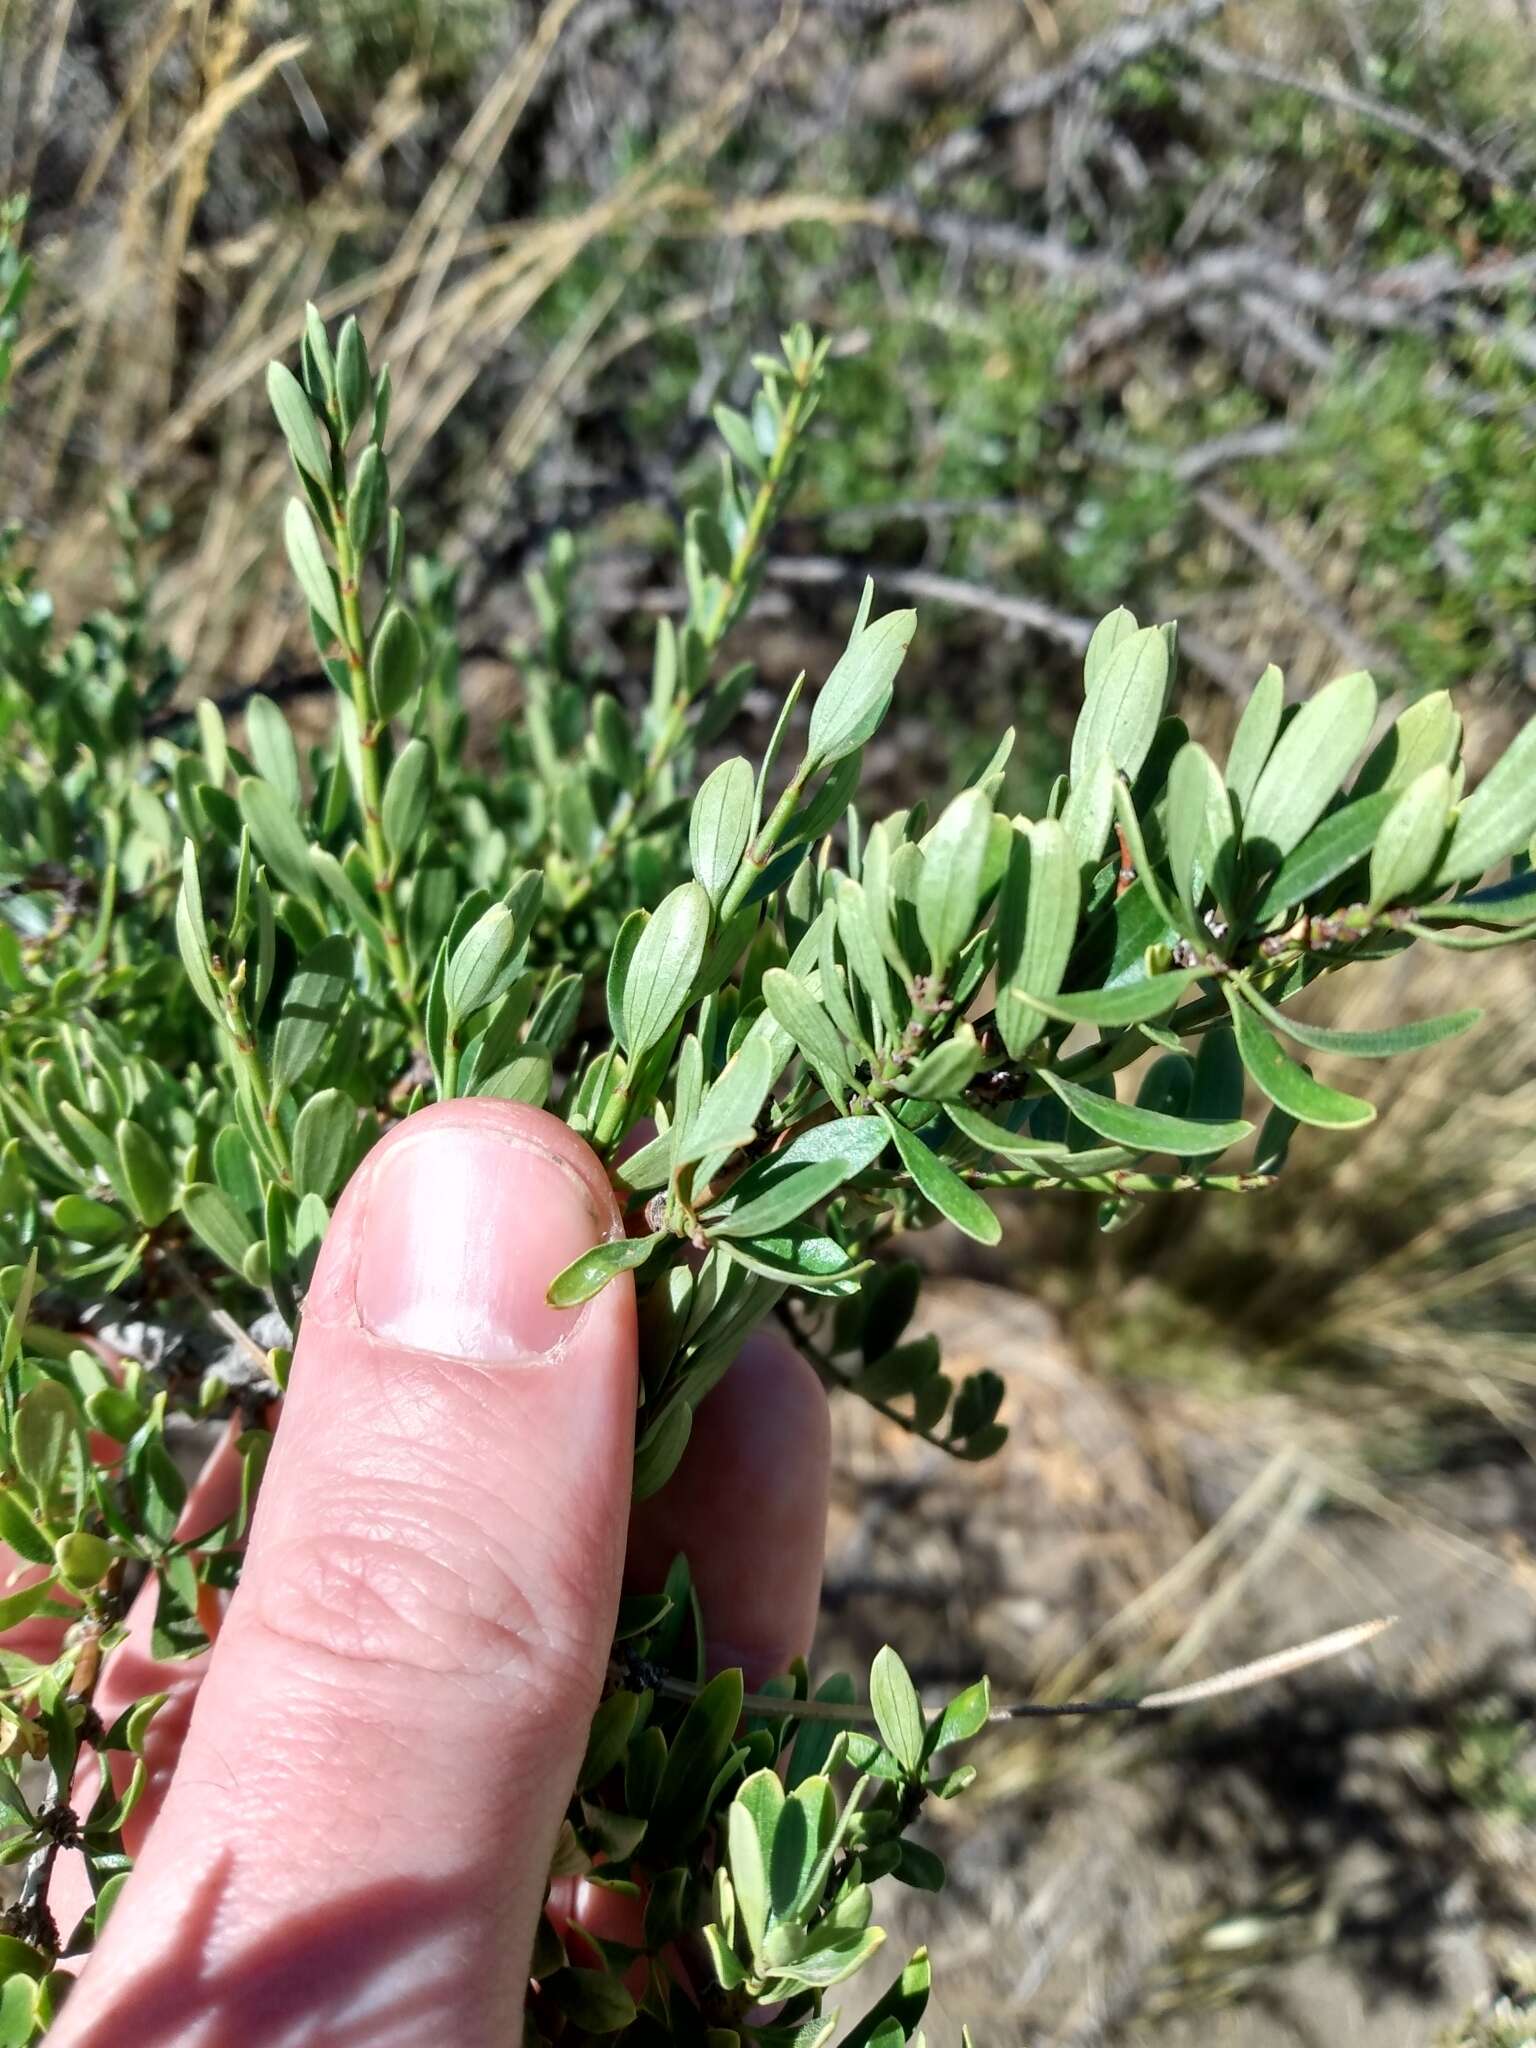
(225,968)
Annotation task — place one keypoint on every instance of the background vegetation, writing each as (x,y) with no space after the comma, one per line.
(1224,311)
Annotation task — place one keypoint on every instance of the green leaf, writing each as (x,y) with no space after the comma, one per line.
(192,934)
(720,826)
(484,962)
(1289,1086)
(1310,761)
(1498,818)
(857,694)
(1331,849)
(1428,735)
(1036,924)
(88,1221)
(965,1716)
(590,1273)
(1131,1002)
(218,1223)
(995,1137)
(592,2001)
(898,1711)
(939,1184)
(43,1435)
(795,1010)
(907,2000)
(1118,626)
(727,1116)
(394,665)
(749,1832)
(310,568)
(270,740)
(660,1450)
(920,1868)
(146,1173)
(525,1078)
(664,967)
(736,432)
(18,1529)
(1124,706)
(1254,740)
(408,795)
(1369,1045)
(947,1071)
(354,386)
(1411,837)
(312,1005)
(367,500)
(773,1201)
(798,1258)
(1199,829)
(301,430)
(1086,815)
(1146,1130)
(277,835)
(954,865)
(322,1138)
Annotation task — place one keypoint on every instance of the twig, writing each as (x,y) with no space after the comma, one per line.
(1266,547)
(1461,157)
(1240,1678)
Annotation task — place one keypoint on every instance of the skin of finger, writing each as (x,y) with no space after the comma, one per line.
(132,1672)
(356,1839)
(747,1506)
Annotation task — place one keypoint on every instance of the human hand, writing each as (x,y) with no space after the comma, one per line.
(354,1795)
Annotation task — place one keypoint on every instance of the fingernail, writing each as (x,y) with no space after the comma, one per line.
(463,1232)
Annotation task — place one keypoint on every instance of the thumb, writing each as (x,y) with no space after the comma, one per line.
(356,1840)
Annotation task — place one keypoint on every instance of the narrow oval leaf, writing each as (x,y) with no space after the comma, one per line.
(311,1007)
(1309,764)
(408,795)
(1428,735)
(301,430)
(322,1138)
(394,665)
(728,1114)
(1366,1045)
(1329,850)
(310,567)
(897,1709)
(1289,1086)
(954,868)
(795,1010)
(1124,706)
(146,1173)
(939,1184)
(277,835)
(1498,818)
(854,698)
(1411,838)
(1036,926)
(1147,1130)
(1200,830)
(665,966)
(590,1273)
(88,1221)
(1105,638)
(270,739)
(484,962)
(1132,1002)
(218,1223)
(1254,740)
(720,825)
